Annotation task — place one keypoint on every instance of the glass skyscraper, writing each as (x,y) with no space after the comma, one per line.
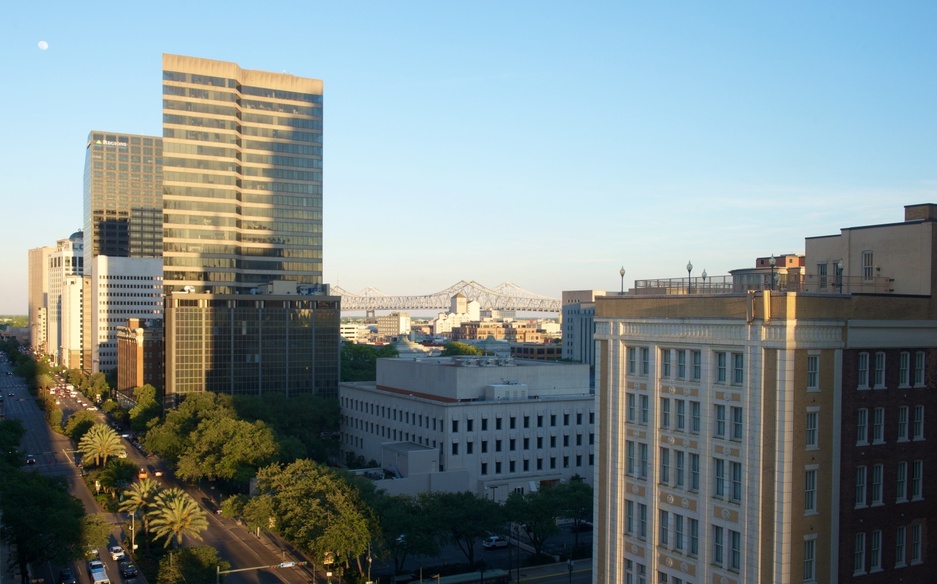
(242,177)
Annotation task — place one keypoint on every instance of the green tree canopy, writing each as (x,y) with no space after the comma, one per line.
(455,348)
(537,513)
(191,565)
(95,531)
(462,518)
(304,424)
(173,436)
(175,515)
(359,362)
(226,448)
(148,407)
(77,424)
(100,443)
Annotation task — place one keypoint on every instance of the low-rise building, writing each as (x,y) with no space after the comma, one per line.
(491,425)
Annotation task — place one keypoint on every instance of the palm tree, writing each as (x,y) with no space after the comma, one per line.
(175,515)
(100,442)
(138,500)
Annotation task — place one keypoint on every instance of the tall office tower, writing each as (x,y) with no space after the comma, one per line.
(65,263)
(38,288)
(242,179)
(123,208)
(768,435)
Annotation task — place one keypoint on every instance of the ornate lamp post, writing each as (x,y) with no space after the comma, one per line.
(704,279)
(689,281)
(621,273)
(839,271)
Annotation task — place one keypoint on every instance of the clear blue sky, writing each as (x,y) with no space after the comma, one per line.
(542,143)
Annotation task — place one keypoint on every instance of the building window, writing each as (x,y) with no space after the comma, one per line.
(498,423)
(917,428)
(917,477)
(810,491)
(821,277)
(665,466)
(919,369)
(901,533)
(876,490)
(645,361)
(642,457)
(642,520)
(813,372)
(695,417)
(810,560)
(694,472)
(811,433)
(721,367)
(718,545)
(860,486)
(681,364)
(902,481)
(719,430)
(511,466)
(697,365)
(527,421)
(663,528)
(484,424)
(738,369)
(719,476)
(867,266)
(455,426)
(632,360)
(665,363)
(878,375)
(552,421)
(863,371)
(644,409)
(904,369)
(455,448)
(858,558)
(665,412)
(497,468)
(878,425)
(484,446)
(469,447)
(512,443)
(736,423)
(875,551)
(632,400)
(539,421)
(903,423)
(629,449)
(862,426)
(736,468)
(629,516)
(498,445)
(681,414)
(694,536)
(484,468)
(678,532)
(735,550)
(552,441)
(680,469)
(512,422)
(915,543)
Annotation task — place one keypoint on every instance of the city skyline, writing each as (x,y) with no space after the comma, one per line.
(462,140)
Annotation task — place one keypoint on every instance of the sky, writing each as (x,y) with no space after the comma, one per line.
(542,143)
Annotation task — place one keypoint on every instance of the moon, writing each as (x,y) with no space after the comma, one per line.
(43,45)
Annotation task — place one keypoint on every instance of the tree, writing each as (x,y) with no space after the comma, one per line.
(95,529)
(99,443)
(574,500)
(314,508)
(11,432)
(175,515)
(172,437)
(148,407)
(462,518)
(192,565)
(138,500)
(359,362)
(406,528)
(455,348)
(77,424)
(536,512)
(117,474)
(229,449)
(41,520)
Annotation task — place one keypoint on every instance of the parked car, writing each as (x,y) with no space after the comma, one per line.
(117,553)
(495,541)
(95,565)
(30,459)
(582,526)
(128,570)
(66,576)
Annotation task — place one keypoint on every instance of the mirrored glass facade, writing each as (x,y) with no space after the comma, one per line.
(242,184)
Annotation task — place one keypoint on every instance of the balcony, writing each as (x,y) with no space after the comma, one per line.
(783,282)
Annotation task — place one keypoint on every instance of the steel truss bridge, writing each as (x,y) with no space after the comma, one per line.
(506,296)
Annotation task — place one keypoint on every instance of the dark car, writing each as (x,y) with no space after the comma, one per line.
(66,576)
(30,459)
(128,570)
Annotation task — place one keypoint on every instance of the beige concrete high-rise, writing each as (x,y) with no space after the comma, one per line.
(242,177)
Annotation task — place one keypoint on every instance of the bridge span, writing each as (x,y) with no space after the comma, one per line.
(506,296)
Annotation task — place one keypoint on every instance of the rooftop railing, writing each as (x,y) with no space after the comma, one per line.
(758,281)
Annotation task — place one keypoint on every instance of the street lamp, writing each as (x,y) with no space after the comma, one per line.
(621,273)
(689,282)
(839,271)
(772,261)
(704,279)
(569,564)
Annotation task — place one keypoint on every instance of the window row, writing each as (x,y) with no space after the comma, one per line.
(526,421)
(869,489)
(729,367)
(870,372)
(512,467)
(867,549)
(675,531)
(909,426)
(513,444)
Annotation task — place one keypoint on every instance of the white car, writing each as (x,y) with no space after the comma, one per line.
(495,541)
(117,553)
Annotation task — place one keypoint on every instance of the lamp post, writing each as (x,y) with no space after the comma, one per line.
(621,273)
(839,271)
(772,261)
(569,564)
(689,281)
(704,279)
(517,549)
